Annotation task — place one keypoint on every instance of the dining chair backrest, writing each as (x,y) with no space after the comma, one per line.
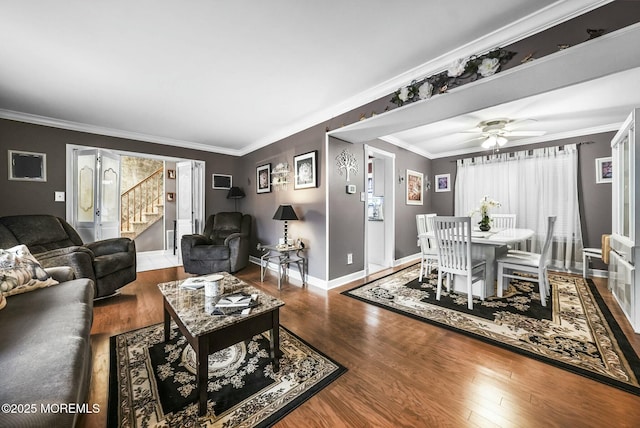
(504,221)
(453,238)
(545,255)
(424,223)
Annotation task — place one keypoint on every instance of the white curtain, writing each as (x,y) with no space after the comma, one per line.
(534,185)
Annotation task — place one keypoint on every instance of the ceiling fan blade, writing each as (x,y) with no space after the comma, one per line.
(524,133)
(460,143)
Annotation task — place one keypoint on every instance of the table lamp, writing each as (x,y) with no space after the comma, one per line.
(235,193)
(285,212)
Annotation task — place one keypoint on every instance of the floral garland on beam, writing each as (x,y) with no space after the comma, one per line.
(460,72)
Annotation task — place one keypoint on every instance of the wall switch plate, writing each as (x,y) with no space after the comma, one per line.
(59,197)
(362,197)
(349,258)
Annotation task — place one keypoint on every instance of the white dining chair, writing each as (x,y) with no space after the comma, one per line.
(504,221)
(429,254)
(516,263)
(453,240)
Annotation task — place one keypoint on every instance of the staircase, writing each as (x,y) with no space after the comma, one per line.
(142,205)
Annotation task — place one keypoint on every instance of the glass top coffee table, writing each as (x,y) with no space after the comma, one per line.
(206,333)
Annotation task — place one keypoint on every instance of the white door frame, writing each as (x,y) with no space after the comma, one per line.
(389,207)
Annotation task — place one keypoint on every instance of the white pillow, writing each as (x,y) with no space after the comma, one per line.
(20,272)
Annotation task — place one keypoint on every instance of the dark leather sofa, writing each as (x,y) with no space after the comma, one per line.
(45,350)
(110,263)
(223,246)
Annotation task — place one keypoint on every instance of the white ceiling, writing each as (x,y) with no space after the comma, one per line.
(587,108)
(233,76)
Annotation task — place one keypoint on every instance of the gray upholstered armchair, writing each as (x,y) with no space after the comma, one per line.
(223,246)
(110,263)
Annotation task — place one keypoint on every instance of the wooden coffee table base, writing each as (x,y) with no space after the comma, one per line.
(222,338)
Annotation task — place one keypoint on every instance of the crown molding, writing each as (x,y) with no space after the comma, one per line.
(111,132)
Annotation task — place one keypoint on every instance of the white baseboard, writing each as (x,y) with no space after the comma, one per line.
(412,258)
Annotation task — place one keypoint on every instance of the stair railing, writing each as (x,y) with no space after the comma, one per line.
(141,198)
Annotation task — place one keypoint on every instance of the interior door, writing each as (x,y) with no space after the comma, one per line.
(189,199)
(96,194)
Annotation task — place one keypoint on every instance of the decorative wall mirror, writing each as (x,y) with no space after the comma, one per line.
(27,166)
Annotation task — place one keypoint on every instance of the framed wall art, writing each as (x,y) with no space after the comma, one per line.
(27,166)
(415,182)
(305,170)
(604,170)
(171,174)
(263,178)
(221,181)
(443,183)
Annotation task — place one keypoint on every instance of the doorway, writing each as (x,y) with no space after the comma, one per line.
(379,213)
(157,246)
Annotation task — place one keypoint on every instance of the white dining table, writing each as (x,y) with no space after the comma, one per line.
(488,246)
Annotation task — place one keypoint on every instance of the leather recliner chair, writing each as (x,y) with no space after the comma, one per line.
(223,246)
(110,263)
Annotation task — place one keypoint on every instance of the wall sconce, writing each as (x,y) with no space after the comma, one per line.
(280,176)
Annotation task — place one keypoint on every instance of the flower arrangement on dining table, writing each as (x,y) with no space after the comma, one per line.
(485,204)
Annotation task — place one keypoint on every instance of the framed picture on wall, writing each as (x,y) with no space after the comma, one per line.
(415,186)
(171,174)
(443,183)
(221,181)
(263,178)
(604,170)
(305,170)
(27,166)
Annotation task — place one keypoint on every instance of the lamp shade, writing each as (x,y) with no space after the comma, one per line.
(235,193)
(285,212)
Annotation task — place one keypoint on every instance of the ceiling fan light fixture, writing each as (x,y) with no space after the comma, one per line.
(501,141)
(491,141)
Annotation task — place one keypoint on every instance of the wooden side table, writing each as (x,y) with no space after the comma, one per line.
(284,256)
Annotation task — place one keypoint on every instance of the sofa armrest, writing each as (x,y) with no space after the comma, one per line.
(80,260)
(61,273)
(234,236)
(193,240)
(111,246)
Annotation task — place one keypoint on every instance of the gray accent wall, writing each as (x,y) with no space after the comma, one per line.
(309,204)
(22,197)
(347,215)
(346,212)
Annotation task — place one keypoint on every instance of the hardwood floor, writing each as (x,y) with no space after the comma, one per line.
(402,372)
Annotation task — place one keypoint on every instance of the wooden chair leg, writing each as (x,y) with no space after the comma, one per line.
(470,290)
(439,288)
(421,268)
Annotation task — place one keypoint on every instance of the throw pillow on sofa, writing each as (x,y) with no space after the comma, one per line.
(3,301)
(20,272)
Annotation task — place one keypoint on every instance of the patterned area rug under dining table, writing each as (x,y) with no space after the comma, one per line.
(153,382)
(575,331)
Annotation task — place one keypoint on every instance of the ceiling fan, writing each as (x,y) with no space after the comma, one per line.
(495,132)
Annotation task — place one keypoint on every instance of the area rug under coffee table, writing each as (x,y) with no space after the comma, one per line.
(153,383)
(575,331)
